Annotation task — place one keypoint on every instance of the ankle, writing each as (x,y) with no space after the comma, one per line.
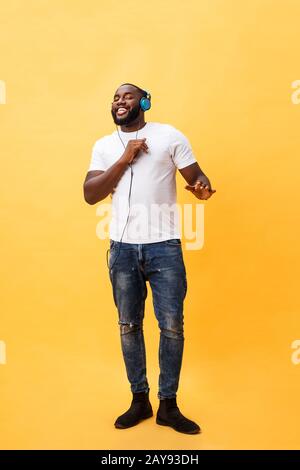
(140,396)
(168,402)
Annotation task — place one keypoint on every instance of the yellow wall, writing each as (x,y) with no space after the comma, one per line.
(221,71)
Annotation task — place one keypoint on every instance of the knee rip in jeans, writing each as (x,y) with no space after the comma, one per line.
(173,334)
(127,328)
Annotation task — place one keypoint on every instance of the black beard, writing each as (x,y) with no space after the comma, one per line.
(131,116)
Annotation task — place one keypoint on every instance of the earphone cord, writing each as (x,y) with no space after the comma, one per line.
(129,194)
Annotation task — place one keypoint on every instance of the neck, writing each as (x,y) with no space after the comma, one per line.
(134,125)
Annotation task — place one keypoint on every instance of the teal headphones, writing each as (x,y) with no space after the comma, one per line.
(145,102)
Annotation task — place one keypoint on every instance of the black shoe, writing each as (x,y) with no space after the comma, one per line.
(140,409)
(168,414)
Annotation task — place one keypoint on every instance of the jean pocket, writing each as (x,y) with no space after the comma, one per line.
(174,241)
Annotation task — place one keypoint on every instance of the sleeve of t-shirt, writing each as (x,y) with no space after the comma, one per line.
(97,161)
(181,150)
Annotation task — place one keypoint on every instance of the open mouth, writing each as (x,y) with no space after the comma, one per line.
(121,111)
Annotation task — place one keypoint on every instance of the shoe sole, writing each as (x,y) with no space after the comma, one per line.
(163,423)
(149,415)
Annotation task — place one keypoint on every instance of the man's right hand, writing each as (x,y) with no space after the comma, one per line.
(134,146)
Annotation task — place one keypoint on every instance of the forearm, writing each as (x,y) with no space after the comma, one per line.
(100,186)
(193,173)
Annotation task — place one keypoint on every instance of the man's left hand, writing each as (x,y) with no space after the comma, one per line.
(201,190)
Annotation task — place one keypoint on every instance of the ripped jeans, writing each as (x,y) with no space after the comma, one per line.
(161,263)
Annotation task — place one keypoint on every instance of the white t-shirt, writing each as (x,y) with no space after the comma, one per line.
(153,212)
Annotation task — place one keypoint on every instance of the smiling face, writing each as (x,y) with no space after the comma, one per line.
(125,108)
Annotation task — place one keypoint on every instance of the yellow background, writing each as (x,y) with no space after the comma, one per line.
(221,72)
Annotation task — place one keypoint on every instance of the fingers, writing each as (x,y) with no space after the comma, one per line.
(197,186)
(144,147)
(141,146)
(203,189)
(138,149)
(202,185)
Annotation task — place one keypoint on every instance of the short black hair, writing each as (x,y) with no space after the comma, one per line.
(143,92)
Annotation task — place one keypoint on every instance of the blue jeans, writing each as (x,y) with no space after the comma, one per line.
(161,263)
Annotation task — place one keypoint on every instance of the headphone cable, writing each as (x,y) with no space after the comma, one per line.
(129,195)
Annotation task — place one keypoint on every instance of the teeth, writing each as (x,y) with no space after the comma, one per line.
(122,110)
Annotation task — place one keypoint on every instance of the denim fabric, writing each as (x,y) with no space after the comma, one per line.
(162,265)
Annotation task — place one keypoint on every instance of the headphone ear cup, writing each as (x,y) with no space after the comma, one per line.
(145,103)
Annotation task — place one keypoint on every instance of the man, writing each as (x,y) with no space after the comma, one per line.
(139,173)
